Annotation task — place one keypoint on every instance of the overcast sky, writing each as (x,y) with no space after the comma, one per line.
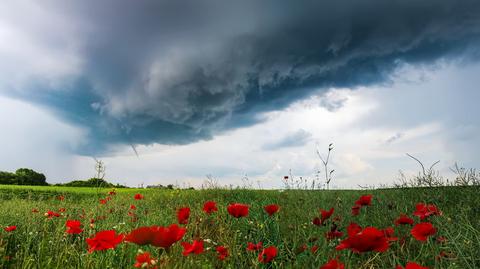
(250,88)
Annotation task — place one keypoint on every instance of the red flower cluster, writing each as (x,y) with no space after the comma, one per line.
(333,264)
(368,239)
(183,214)
(158,236)
(424,211)
(222,252)
(196,247)
(209,207)
(404,220)
(104,240)
(267,254)
(10,228)
(411,265)
(138,196)
(50,214)
(271,209)
(422,231)
(238,210)
(144,260)
(254,247)
(73,227)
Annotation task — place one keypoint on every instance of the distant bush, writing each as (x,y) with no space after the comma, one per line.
(92,182)
(23,176)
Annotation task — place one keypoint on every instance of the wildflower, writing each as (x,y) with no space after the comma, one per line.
(34,210)
(144,260)
(364,200)
(104,240)
(10,228)
(314,249)
(267,254)
(333,234)
(411,265)
(209,207)
(183,214)
(404,220)
(355,210)
(253,247)
(60,197)
(158,236)
(133,207)
(422,231)
(423,211)
(333,264)
(103,201)
(389,234)
(112,192)
(222,252)
(73,227)
(138,196)
(271,209)
(50,214)
(317,221)
(196,247)
(326,214)
(368,239)
(238,210)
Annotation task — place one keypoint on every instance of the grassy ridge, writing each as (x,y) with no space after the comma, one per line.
(39,242)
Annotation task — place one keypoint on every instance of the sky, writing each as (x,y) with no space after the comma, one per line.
(169,92)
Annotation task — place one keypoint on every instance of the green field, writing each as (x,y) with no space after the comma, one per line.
(41,242)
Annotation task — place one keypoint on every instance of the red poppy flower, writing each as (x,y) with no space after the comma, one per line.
(222,252)
(73,227)
(326,214)
(267,254)
(404,220)
(353,229)
(271,209)
(423,211)
(164,237)
(113,192)
(62,209)
(317,221)
(103,201)
(238,210)
(50,214)
(209,207)
(333,264)
(183,214)
(356,210)
(60,197)
(133,207)
(196,247)
(422,231)
(138,196)
(253,247)
(34,210)
(140,236)
(364,200)
(333,234)
(314,249)
(144,260)
(369,239)
(389,234)
(411,265)
(10,228)
(104,240)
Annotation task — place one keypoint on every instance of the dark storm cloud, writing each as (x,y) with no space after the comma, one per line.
(175,72)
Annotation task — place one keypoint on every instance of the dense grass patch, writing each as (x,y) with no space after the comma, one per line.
(41,242)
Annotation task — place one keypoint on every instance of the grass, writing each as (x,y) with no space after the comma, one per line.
(40,242)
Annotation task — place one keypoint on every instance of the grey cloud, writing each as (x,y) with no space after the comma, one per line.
(178,72)
(296,139)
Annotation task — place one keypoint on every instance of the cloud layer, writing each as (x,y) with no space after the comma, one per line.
(167,72)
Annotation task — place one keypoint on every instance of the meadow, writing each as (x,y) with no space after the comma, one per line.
(293,236)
